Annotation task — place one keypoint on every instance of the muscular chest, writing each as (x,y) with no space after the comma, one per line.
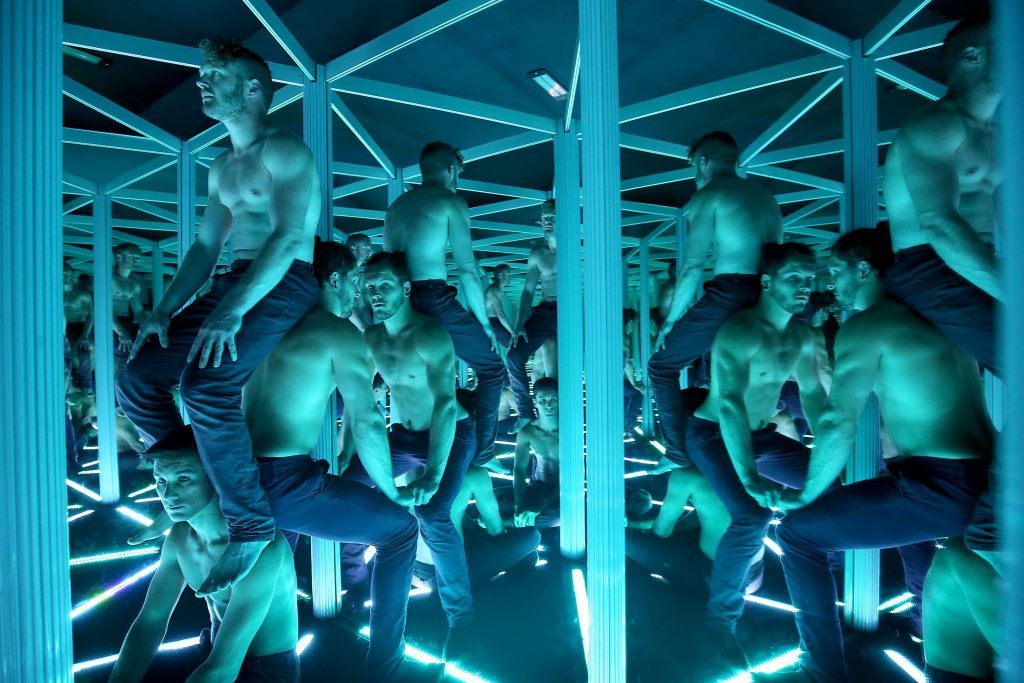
(776,360)
(975,160)
(123,288)
(244,183)
(546,262)
(396,364)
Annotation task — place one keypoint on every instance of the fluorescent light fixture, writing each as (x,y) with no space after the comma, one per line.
(424,657)
(773,546)
(74,507)
(110,659)
(657,502)
(892,602)
(413,593)
(91,448)
(79,515)
(152,499)
(499,475)
(641,461)
(908,667)
(89,472)
(770,603)
(634,475)
(303,643)
(90,463)
(110,557)
(302,594)
(905,607)
(89,57)
(638,431)
(689,508)
(133,494)
(83,490)
(369,553)
(113,590)
(579,587)
(629,440)
(769,667)
(137,516)
(657,444)
(506,443)
(505,455)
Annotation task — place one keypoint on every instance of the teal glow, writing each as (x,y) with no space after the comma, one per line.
(113,590)
(908,667)
(424,657)
(771,666)
(773,546)
(136,516)
(110,557)
(893,602)
(303,643)
(79,515)
(133,494)
(82,489)
(579,587)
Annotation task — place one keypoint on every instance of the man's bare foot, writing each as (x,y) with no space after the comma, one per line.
(664,465)
(238,559)
(496,466)
(520,423)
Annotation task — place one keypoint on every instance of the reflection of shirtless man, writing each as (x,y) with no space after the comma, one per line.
(127,293)
(536,502)
(931,398)
(538,324)
(494,299)
(264,194)
(940,183)
(254,625)
(362,249)
(738,216)
(423,223)
(731,439)
(413,353)
(77,309)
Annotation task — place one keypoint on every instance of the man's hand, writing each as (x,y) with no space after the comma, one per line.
(216,334)
(659,343)
(762,491)
(84,345)
(124,344)
(520,332)
(495,346)
(791,499)
(525,518)
(157,323)
(423,489)
(403,497)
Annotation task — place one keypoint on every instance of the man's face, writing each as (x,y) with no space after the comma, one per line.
(362,251)
(387,293)
(222,90)
(127,258)
(790,287)
(182,485)
(503,278)
(846,281)
(346,289)
(547,403)
(700,168)
(547,221)
(69,277)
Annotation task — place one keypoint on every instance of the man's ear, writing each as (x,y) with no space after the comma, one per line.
(255,87)
(334,279)
(765,281)
(971,55)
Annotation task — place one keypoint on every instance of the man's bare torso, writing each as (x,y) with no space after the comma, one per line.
(746,218)
(494,300)
(546,260)
(417,224)
(544,444)
(124,290)
(77,305)
(976,169)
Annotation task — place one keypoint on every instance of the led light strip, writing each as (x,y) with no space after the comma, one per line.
(773,546)
(771,666)
(424,657)
(893,602)
(136,516)
(579,587)
(83,490)
(110,557)
(908,667)
(110,592)
(133,494)
(770,603)
(79,515)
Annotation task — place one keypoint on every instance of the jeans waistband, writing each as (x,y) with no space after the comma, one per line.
(241,265)
(915,251)
(429,284)
(736,277)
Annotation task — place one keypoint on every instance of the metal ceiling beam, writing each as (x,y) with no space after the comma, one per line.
(401,94)
(76,204)
(533,230)
(512,143)
(915,41)
(144,243)
(893,22)
(70,180)
(793,25)
(797,177)
(130,143)
(895,72)
(138,173)
(358,186)
(146,207)
(813,150)
(805,211)
(157,51)
(116,112)
(285,38)
(500,207)
(502,190)
(658,179)
(574,85)
(652,146)
(352,212)
(803,196)
(363,135)
(752,80)
(358,170)
(816,94)
(131,224)
(408,33)
(282,98)
(653,209)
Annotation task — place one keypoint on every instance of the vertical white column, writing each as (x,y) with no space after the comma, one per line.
(647,412)
(573,532)
(860,210)
(103,345)
(157,284)
(681,224)
(1009,29)
(602,328)
(396,187)
(325,565)
(186,199)
(35,627)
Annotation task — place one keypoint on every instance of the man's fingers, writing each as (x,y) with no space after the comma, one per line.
(218,351)
(232,349)
(161,334)
(140,339)
(204,354)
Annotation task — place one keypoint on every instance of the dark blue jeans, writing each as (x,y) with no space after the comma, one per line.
(409,451)
(920,279)
(633,401)
(691,337)
(306,499)
(213,396)
(540,326)
(778,458)
(924,499)
(982,533)
(436,298)
(504,336)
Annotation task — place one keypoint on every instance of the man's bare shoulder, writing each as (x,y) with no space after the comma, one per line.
(740,333)
(281,146)
(177,540)
(937,125)
(872,325)
(430,335)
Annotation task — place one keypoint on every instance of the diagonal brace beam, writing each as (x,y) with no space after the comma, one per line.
(816,94)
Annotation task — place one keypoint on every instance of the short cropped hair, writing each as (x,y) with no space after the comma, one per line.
(357,238)
(774,256)
(392,260)
(331,257)
(181,441)
(438,156)
(224,51)
(548,206)
(125,247)
(501,268)
(961,37)
(628,316)
(717,145)
(545,384)
(872,245)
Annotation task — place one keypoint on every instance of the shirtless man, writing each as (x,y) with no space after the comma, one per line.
(932,402)
(264,194)
(494,299)
(254,624)
(362,249)
(77,329)
(535,325)
(127,294)
(536,501)
(632,390)
(730,436)
(738,216)
(422,223)
(414,354)
(940,183)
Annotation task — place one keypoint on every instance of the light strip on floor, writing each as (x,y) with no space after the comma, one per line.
(634,475)
(638,431)
(908,667)
(905,607)
(770,603)
(302,594)
(110,557)
(506,443)
(152,499)
(90,448)
(90,463)
(424,657)
(773,546)
(89,472)
(83,490)
(657,445)
(133,494)
(110,659)
(498,475)
(413,593)
(79,515)
(74,507)
(540,563)
(641,461)
(303,643)
(504,456)
(113,590)
(579,587)
(892,602)
(771,666)
(629,440)
(137,516)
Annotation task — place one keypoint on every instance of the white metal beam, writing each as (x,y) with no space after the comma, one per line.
(915,41)
(574,85)
(357,128)
(663,178)
(356,187)
(116,112)
(797,177)
(500,207)
(816,94)
(811,208)
(352,212)
(899,74)
(503,146)
(285,38)
(732,85)
(653,209)
(414,30)
(78,183)
(893,22)
(136,174)
(130,143)
(803,196)
(503,190)
(358,170)
(793,25)
(816,149)
(76,204)
(652,146)
(131,224)
(146,207)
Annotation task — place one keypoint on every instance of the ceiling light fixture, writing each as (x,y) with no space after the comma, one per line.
(94,59)
(546,81)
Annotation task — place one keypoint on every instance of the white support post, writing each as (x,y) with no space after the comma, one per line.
(157,285)
(573,533)
(860,210)
(35,627)
(1009,30)
(103,346)
(602,328)
(647,411)
(325,563)
(186,199)
(681,224)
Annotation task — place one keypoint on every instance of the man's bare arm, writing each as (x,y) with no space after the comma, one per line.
(465,261)
(499,305)
(929,170)
(701,219)
(526,298)
(672,508)
(808,374)
(435,349)
(521,467)
(150,627)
